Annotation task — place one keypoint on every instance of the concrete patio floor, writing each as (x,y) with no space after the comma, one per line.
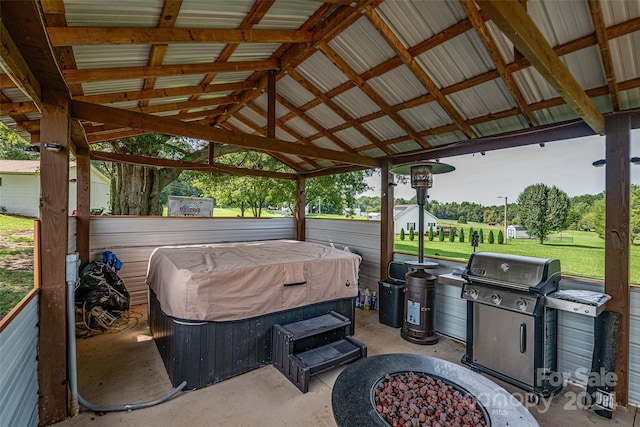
(125,367)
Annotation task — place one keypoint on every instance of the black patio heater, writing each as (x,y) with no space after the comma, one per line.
(418,325)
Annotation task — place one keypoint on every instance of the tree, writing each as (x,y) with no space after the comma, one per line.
(500,237)
(462,219)
(430,234)
(12,145)
(462,235)
(441,234)
(543,210)
(635,213)
(402,234)
(481,236)
(491,238)
(452,234)
(412,234)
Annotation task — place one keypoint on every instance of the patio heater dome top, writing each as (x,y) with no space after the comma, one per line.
(435,167)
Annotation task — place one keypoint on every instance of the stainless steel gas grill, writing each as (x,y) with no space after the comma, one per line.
(510,333)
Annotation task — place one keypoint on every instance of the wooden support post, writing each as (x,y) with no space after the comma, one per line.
(617,239)
(300,206)
(386,219)
(83,197)
(54,211)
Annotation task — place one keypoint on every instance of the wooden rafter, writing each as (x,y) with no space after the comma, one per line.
(605,53)
(92,112)
(16,108)
(15,66)
(123,73)
(490,45)
(368,90)
(416,69)
(516,24)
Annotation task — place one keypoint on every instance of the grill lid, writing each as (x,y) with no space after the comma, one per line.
(536,275)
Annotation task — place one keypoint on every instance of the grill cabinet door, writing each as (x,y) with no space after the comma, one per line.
(499,338)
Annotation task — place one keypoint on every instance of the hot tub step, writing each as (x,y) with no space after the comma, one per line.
(312,346)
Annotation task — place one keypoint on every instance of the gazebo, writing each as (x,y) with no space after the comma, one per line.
(324,87)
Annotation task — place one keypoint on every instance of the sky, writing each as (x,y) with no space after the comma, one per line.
(481,179)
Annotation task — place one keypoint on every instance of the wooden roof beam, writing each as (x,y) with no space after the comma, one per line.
(489,44)
(99,113)
(16,67)
(17,108)
(512,19)
(180,164)
(417,70)
(603,44)
(74,36)
(124,73)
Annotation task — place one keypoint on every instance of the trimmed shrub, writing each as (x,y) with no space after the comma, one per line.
(462,235)
(430,235)
(441,234)
(470,231)
(402,234)
(481,236)
(412,234)
(491,238)
(500,237)
(452,234)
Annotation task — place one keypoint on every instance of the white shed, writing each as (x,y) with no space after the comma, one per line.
(406,216)
(517,232)
(20,187)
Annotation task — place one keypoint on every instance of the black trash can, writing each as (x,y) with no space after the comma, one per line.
(391,302)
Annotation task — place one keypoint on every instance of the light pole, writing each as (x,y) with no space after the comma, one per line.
(505,218)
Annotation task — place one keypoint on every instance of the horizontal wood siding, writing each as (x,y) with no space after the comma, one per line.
(19,368)
(634,348)
(362,237)
(133,239)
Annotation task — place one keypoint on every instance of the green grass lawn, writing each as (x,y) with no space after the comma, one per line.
(16,260)
(583,257)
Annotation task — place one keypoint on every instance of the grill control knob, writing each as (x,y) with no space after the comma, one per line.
(496,299)
(473,293)
(522,304)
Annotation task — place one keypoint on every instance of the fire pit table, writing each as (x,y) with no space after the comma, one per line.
(354,390)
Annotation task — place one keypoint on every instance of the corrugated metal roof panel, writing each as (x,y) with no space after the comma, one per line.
(178,81)
(586,67)
(356,103)
(630,98)
(320,71)
(499,126)
(626,56)
(554,114)
(384,128)
(362,46)
(533,86)
(302,127)
(425,116)
(198,53)
(172,113)
(483,99)
(33,116)
(91,13)
(398,85)
(353,138)
(404,146)
(456,60)
(124,104)
(415,21)
(253,117)
(15,95)
(603,103)
(212,13)
(239,125)
(504,45)
(296,159)
(262,102)
(288,14)
(325,163)
(214,95)
(616,12)
(285,136)
(325,116)
(561,21)
(373,152)
(168,100)
(232,76)
(325,142)
(111,86)
(254,51)
(293,92)
(445,138)
(111,56)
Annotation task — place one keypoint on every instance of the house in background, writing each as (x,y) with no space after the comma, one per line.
(20,187)
(406,216)
(517,232)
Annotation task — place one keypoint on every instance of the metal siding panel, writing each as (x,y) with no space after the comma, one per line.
(114,56)
(445,138)
(554,114)
(293,92)
(625,51)
(353,138)
(89,13)
(212,13)
(362,46)
(384,128)
(499,126)
(586,67)
(239,125)
(404,146)
(261,102)
(634,347)
(287,15)
(325,116)
(533,86)
(281,134)
(232,76)
(482,100)
(168,100)
(19,373)
(321,72)
(302,127)
(373,152)
(325,142)
(199,53)
(254,51)
(254,117)
(561,21)
(425,116)
(630,98)
(14,94)
(111,86)
(178,81)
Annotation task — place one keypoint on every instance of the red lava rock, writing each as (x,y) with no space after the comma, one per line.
(417,400)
